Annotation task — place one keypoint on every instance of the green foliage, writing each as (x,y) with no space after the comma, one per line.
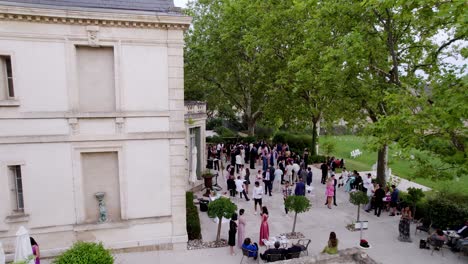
(193,219)
(26,261)
(298,204)
(414,195)
(84,253)
(249,139)
(328,147)
(445,213)
(317,159)
(214,139)
(221,207)
(296,142)
(264,133)
(211,123)
(358,198)
(224,131)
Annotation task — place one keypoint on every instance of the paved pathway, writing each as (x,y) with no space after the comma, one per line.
(315,224)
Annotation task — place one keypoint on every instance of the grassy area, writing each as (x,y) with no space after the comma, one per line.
(400,167)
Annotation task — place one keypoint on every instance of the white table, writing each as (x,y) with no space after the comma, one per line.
(271,242)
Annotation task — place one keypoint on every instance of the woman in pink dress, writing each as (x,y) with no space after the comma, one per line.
(330,191)
(264,229)
(35,249)
(241,228)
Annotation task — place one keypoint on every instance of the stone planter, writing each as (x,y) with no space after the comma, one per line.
(208,180)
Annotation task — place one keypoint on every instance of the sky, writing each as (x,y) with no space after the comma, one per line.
(180,3)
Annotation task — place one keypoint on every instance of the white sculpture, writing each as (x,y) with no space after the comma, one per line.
(193,172)
(23,250)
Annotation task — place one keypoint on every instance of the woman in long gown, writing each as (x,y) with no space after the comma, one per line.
(241,228)
(232,233)
(404,226)
(264,228)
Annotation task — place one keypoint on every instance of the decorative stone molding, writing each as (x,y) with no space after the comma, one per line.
(93,36)
(95,18)
(120,122)
(73,122)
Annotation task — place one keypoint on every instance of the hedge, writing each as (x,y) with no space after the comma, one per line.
(317,159)
(193,220)
(85,252)
(297,142)
(442,209)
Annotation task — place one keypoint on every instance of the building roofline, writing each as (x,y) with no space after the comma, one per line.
(93,16)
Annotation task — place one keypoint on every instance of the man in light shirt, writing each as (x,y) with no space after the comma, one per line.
(267,181)
(296,169)
(240,188)
(278,176)
(257,196)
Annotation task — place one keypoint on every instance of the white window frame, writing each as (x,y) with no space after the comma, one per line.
(11,91)
(18,190)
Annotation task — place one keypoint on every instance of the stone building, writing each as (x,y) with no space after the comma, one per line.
(196,153)
(91,100)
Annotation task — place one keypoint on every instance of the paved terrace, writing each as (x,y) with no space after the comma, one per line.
(315,224)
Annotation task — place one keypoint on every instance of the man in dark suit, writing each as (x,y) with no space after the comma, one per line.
(324,168)
(293,249)
(273,251)
(300,188)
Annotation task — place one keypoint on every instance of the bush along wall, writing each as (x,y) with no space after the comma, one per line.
(85,252)
(193,220)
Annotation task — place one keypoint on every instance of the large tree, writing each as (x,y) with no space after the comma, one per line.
(388,53)
(223,59)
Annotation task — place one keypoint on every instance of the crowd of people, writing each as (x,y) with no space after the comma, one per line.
(286,172)
(282,171)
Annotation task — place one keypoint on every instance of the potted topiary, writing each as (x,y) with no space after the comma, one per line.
(208,179)
(358,198)
(297,204)
(219,208)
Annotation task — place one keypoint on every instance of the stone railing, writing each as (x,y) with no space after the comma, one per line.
(195,107)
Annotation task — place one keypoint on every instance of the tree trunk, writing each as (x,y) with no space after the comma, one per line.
(219,229)
(358,212)
(315,135)
(251,126)
(382,165)
(294,225)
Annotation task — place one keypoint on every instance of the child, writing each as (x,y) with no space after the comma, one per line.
(259,176)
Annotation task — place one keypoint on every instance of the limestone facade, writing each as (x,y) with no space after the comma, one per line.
(98,105)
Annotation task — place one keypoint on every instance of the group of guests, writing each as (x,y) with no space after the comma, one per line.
(456,239)
(286,253)
(237,224)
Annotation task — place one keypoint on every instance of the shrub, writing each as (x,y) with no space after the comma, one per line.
(297,142)
(446,213)
(250,139)
(328,147)
(262,132)
(317,159)
(85,252)
(211,123)
(214,139)
(193,220)
(224,131)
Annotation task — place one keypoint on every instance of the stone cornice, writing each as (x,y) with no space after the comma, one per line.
(95,17)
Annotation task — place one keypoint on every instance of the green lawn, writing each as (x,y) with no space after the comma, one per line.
(400,167)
